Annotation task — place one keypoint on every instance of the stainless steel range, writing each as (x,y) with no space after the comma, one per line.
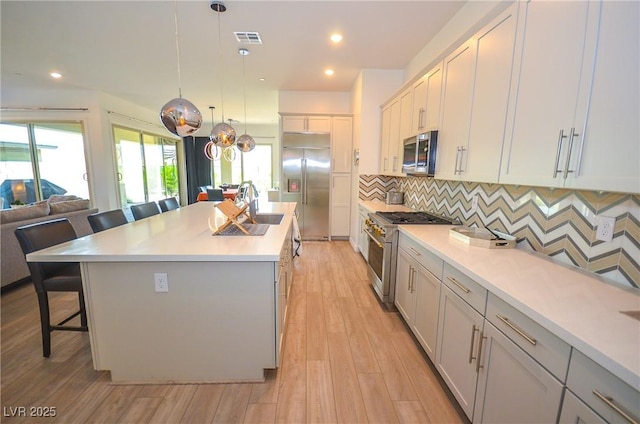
(382,229)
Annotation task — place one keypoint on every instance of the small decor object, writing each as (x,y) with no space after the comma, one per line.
(483,237)
(179,116)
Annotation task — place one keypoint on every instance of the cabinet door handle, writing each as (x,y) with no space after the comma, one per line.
(479,360)
(415,251)
(517,329)
(462,150)
(555,167)
(395,162)
(572,135)
(473,337)
(460,286)
(610,402)
(413,280)
(410,277)
(384,167)
(455,169)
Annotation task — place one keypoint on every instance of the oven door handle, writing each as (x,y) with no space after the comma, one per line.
(372,237)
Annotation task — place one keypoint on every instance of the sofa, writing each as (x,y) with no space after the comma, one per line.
(12,262)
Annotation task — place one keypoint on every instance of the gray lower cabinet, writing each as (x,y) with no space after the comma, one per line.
(417,298)
(512,387)
(574,411)
(459,337)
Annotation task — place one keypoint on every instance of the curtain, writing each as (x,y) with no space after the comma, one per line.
(197,164)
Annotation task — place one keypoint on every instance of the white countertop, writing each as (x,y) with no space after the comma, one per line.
(574,305)
(373,206)
(182,235)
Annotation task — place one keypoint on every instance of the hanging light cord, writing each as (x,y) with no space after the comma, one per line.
(175,18)
(244,85)
(220,64)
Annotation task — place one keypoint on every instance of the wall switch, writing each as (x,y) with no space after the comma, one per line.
(604,229)
(162,281)
(474,202)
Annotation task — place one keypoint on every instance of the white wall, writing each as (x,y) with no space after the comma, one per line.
(338,102)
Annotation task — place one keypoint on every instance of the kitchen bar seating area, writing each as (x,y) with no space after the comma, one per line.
(345,359)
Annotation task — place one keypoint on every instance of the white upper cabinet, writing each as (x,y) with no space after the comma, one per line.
(480,162)
(456,109)
(341,142)
(555,48)
(609,156)
(425,111)
(391,149)
(475,99)
(433,86)
(317,124)
(405,116)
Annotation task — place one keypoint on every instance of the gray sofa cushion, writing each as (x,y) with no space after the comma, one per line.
(68,206)
(23,213)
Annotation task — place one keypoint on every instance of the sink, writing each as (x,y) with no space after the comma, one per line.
(269,218)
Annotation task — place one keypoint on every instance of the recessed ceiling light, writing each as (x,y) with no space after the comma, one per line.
(329,72)
(55,75)
(336,38)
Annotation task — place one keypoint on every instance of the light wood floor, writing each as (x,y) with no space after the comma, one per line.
(345,360)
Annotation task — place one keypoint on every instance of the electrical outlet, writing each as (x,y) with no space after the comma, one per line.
(604,230)
(474,202)
(162,281)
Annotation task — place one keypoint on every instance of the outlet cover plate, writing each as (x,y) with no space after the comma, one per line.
(605,227)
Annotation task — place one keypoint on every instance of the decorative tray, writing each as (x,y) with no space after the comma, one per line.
(482,237)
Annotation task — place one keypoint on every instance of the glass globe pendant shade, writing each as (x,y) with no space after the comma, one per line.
(223,134)
(245,143)
(181,117)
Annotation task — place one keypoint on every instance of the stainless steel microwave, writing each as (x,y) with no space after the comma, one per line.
(420,154)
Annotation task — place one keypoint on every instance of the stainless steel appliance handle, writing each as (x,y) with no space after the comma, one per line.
(304,182)
(610,402)
(372,237)
(555,167)
(572,135)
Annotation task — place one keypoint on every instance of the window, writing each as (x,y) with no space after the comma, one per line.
(254,165)
(147,166)
(38,160)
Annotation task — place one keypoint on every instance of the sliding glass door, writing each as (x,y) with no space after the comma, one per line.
(38,160)
(147,166)
(254,165)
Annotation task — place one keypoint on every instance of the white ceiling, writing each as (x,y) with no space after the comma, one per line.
(128,48)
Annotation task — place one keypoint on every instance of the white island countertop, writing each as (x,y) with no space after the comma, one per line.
(576,306)
(181,235)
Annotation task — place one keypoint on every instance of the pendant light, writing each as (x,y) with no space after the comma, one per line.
(245,142)
(223,133)
(179,115)
(211,150)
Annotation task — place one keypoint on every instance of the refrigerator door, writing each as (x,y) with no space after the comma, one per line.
(292,182)
(315,197)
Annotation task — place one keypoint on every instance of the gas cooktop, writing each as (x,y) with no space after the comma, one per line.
(414,218)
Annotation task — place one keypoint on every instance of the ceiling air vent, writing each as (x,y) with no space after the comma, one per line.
(248,37)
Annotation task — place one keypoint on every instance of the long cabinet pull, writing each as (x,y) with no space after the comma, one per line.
(457,283)
(413,280)
(555,166)
(410,278)
(479,360)
(517,329)
(473,337)
(573,134)
(610,402)
(455,169)
(462,150)
(415,251)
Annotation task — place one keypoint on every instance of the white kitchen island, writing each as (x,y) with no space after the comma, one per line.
(222,317)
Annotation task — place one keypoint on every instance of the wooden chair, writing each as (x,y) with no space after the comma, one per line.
(144,210)
(168,204)
(104,220)
(52,276)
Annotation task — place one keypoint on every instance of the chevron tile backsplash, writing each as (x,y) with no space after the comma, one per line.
(556,222)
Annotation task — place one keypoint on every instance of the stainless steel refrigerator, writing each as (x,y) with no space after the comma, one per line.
(306,174)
